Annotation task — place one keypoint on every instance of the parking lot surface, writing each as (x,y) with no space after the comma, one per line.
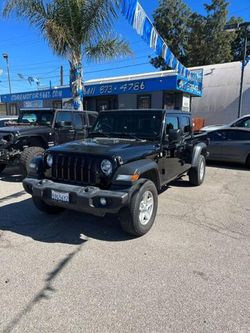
(78,273)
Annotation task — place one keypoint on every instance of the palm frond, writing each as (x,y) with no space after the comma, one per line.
(107,49)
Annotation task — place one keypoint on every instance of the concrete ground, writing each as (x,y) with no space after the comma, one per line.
(77,273)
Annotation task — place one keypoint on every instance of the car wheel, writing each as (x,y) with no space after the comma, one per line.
(248,162)
(45,208)
(27,156)
(197,174)
(139,217)
(2,167)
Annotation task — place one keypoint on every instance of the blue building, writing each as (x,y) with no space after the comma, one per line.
(165,89)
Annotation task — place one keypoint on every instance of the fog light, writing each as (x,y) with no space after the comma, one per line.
(103,201)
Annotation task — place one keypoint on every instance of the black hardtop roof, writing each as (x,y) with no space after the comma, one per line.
(148,110)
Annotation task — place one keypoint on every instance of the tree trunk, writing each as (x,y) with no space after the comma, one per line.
(76,84)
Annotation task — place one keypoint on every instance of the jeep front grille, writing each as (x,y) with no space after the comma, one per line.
(75,169)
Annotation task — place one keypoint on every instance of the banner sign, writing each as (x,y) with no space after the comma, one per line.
(164,83)
(136,16)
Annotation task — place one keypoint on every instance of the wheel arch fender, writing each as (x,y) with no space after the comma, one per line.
(146,169)
(199,149)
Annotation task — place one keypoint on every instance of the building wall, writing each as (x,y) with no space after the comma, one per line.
(219,104)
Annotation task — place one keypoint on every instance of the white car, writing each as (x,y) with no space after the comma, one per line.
(241,122)
(5,119)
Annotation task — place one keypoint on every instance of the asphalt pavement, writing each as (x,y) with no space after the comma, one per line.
(78,273)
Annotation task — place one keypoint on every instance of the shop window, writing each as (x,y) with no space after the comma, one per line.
(169,101)
(13,109)
(57,104)
(144,102)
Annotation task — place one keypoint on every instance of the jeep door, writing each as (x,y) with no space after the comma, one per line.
(80,125)
(63,126)
(176,153)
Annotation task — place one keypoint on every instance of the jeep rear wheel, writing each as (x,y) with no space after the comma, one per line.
(139,217)
(45,208)
(197,174)
(248,162)
(27,156)
(2,167)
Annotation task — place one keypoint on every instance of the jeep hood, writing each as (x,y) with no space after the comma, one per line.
(127,149)
(20,129)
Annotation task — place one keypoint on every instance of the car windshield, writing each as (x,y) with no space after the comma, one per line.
(36,117)
(135,125)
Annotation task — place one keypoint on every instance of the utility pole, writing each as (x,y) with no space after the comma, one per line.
(6,57)
(61,76)
(243,70)
(245,27)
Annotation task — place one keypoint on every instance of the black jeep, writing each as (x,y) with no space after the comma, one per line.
(38,129)
(120,168)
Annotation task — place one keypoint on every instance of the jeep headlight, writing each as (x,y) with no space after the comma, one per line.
(49,160)
(106,167)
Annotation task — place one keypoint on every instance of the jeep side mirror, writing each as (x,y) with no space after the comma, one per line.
(174,135)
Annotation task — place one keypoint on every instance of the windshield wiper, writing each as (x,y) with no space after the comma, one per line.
(99,133)
(126,135)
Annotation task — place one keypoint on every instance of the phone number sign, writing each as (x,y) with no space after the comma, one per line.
(116,88)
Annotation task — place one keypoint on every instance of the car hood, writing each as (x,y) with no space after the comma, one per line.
(128,150)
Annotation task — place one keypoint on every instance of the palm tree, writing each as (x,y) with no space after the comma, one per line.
(75,29)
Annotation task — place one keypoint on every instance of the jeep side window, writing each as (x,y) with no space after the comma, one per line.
(185,125)
(171,123)
(79,121)
(92,119)
(64,116)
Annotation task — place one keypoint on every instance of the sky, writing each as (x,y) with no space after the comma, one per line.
(29,54)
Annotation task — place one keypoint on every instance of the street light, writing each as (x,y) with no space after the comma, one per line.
(241,26)
(6,57)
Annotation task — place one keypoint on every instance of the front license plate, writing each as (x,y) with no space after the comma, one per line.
(59,196)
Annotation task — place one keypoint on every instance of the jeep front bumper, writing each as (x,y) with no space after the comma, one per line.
(87,199)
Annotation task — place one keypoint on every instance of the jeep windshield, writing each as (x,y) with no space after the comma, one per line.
(138,125)
(40,118)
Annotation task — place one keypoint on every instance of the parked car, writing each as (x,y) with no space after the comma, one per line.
(243,122)
(39,129)
(120,168)
(5,119)
(230,145)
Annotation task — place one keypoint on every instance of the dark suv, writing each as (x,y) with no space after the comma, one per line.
(38,129)
(120,168)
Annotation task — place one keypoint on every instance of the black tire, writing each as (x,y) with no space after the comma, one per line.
(43,207)
(248,162)
(197,174)
(2,167)
(130,216)
(27,156)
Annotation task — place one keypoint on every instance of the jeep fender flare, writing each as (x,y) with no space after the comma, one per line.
(199,149)
(146,169)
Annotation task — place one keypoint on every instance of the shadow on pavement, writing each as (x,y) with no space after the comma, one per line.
(69,227)
(46,292)
(11,175)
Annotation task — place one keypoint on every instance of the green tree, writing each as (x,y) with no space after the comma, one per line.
(218,42)
(238,41)
(74,29)
(171,21)
(196,40)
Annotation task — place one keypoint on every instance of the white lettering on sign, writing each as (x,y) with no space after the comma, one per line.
(133,86)
(106,90)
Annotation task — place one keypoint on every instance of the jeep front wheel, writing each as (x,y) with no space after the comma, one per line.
(139,217)
(197,174)
(27,156)
(2,167)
